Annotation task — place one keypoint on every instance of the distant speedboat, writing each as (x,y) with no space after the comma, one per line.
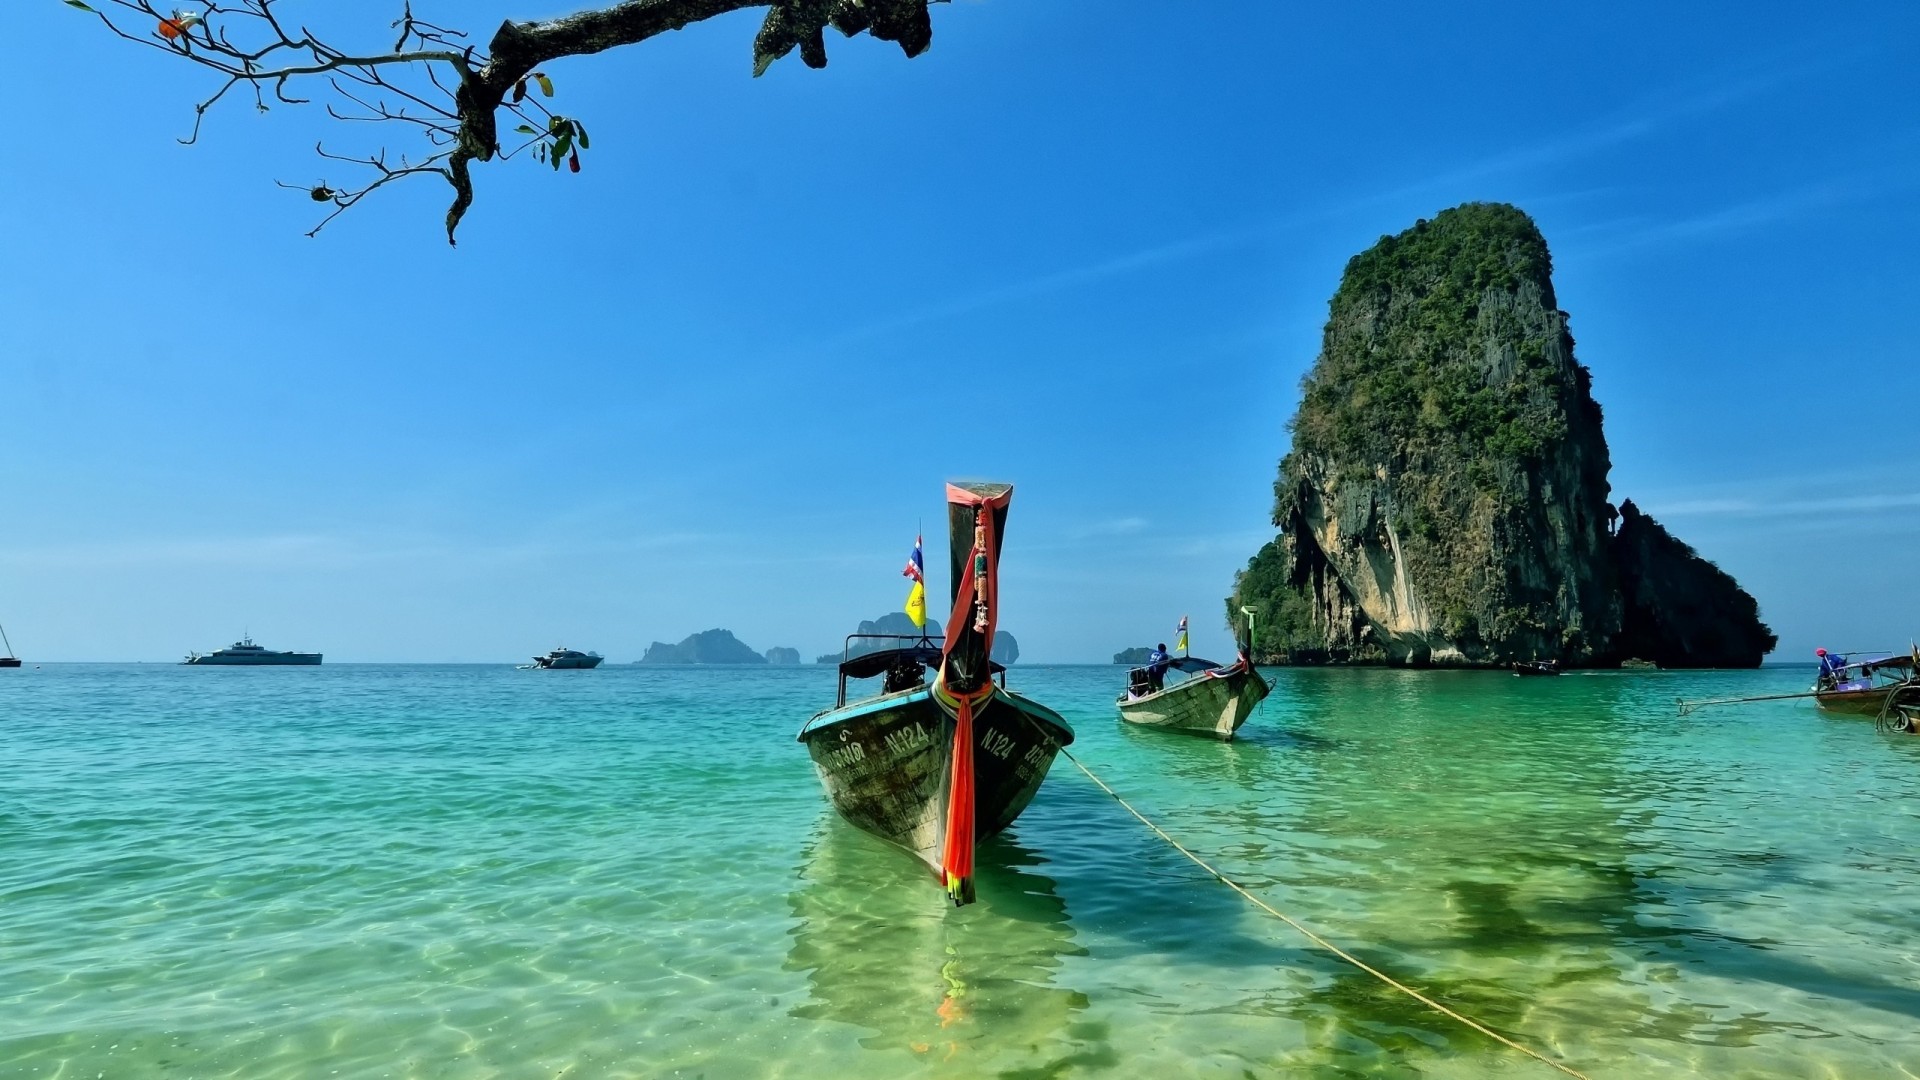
(244,653)
(8,660)
(564,659)
(1536,667)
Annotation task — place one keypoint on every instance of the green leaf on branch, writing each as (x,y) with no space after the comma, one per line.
(81,6)
(581,130)
(526,130)
(546,84)
(560,147)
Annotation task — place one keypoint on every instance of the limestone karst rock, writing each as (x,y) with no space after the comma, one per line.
(1444,500)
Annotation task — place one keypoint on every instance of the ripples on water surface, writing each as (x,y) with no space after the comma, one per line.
(481,872)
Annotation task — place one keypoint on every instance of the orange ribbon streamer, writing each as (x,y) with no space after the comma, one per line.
(956,861)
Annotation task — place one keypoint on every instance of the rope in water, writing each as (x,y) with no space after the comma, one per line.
(1320,941)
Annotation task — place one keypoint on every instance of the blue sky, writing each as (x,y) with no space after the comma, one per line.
(717,378)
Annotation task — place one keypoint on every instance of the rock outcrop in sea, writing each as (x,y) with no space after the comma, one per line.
(1134,656)
(1006,650)
(1445,497)
(705,647)
(1681,610)
(783,656)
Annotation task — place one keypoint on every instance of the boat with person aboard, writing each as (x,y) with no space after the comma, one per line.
(943,756)
(1862,687)
(1205,699)
(565,659)
(244,653)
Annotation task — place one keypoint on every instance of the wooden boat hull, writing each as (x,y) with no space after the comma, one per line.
(1211,705)
(886,764)
(1869,702)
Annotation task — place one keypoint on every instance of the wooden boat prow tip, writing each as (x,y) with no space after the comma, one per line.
(933,765)
(1215,699)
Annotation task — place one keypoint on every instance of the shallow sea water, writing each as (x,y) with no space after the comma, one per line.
(464,872)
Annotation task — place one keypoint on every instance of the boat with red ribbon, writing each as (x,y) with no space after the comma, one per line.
(934,765)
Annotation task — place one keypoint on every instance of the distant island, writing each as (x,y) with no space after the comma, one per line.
(783,657)
(1006,650)
(705,647)
(1445,499)
(1134,656)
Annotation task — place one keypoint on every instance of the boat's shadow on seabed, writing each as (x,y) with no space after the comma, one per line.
(882,950)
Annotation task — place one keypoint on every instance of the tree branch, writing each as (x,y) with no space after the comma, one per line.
(481,84)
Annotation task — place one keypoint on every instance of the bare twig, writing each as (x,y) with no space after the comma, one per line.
(459,87)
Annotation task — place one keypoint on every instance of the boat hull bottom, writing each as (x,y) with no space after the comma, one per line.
(886,766)
(1856,702)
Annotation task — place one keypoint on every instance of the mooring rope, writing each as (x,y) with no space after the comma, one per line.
(1320,941)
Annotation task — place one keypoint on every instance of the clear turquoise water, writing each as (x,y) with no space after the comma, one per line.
(482,872)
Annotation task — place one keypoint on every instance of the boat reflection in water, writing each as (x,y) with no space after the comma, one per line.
(972,986)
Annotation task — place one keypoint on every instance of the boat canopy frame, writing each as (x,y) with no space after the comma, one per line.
(925,649)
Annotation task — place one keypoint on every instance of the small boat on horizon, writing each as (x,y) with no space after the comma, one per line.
(8,660)
(1536,667)
(244,653)
(932,767)
(565,659)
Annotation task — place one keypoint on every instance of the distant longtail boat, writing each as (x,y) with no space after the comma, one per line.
(934,768)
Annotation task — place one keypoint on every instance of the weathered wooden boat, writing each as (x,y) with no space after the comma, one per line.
(1213,699)
(934,766)
(1536,667)
(1865,688)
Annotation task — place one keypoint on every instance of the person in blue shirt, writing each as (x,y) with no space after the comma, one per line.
(1157,661)
(1833,666)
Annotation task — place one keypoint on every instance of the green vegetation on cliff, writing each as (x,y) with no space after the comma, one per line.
(1404,368)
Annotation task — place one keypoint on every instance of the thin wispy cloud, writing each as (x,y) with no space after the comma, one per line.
(321,552)
(1821,196)
(1668,109)
(1855,504)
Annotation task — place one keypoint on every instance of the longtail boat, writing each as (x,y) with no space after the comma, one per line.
(1866,687)
(935,767)
(1213,699)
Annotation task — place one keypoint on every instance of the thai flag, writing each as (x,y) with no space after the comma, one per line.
(916,564)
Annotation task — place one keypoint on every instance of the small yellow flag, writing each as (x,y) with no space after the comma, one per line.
(1181,644)
(917,605)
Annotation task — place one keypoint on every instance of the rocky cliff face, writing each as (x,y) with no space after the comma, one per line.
(1681,610)
(783,656)
(1445,497)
